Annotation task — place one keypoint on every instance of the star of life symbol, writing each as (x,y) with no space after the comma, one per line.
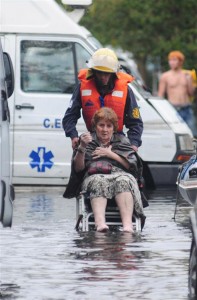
(41,159)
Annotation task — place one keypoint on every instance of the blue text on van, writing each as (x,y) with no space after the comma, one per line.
(56,123)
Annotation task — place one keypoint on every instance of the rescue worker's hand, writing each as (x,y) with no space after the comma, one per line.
(75,142)
(85,139)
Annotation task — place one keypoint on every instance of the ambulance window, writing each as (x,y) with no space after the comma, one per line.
(82,56)
(47,67)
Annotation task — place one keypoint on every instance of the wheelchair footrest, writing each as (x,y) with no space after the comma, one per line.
(85,217)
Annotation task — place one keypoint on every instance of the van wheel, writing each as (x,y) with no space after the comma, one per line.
(192,281)
(2,200)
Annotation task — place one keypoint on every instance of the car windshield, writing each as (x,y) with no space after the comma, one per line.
(94,42)
(141,89)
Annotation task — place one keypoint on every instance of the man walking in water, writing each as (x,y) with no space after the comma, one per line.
(178,87)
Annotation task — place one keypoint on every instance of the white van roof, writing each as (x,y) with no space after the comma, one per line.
(36,16)
(77,2)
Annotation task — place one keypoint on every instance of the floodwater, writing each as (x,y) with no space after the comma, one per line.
(44,258)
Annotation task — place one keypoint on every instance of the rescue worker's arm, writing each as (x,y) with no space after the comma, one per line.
(71,117)
(162,86)
(133,121)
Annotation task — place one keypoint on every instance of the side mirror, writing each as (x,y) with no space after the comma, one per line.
(9,73)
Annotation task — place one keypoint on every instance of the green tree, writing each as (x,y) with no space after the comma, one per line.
(149,29)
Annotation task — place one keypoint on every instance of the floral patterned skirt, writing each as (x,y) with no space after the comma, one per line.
(109,185)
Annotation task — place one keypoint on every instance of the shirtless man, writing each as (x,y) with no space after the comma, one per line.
(177,86)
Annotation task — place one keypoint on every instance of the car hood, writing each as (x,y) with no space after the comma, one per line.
(170,115)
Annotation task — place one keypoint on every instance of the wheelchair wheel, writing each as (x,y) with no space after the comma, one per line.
(192,281)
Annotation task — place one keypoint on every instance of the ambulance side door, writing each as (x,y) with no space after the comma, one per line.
(46,75)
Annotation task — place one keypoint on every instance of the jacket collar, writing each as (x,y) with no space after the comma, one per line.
(116,138)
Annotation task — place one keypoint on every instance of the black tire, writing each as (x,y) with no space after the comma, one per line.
(192,281)
(2,204)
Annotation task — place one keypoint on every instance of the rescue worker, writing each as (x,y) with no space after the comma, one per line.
(102,85)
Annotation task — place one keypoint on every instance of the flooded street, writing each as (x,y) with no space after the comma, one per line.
(44,258)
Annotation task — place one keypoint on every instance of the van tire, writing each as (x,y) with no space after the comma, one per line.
(3,193)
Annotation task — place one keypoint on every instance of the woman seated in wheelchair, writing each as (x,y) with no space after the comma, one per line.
(108,162)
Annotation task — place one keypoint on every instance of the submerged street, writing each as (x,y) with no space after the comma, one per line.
(44,258)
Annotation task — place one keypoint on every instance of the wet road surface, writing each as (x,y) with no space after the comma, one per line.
(44,258)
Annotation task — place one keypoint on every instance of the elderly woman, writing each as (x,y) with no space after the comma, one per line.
(107,160)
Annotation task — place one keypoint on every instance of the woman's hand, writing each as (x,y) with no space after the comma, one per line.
(85,139)
(79,164)
(102,152)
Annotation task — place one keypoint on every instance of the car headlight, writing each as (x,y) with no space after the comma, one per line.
(185,142)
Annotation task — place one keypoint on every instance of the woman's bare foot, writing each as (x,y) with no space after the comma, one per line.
(128,229)
(102,228)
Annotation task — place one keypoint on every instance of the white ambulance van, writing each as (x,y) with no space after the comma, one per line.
(48,48)
(6,189)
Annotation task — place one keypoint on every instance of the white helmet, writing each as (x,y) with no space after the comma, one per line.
(104,60)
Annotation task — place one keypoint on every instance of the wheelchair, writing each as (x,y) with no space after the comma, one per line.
(85,216)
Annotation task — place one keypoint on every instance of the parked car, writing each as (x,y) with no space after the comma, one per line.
(6,90)
(167,140)
(187,187)
(192,280)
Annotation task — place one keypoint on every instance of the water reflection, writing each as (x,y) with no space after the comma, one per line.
(42,204)
(42,253)
(110,249)
(8,291)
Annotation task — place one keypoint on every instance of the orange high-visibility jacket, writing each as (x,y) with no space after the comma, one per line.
(90,97)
